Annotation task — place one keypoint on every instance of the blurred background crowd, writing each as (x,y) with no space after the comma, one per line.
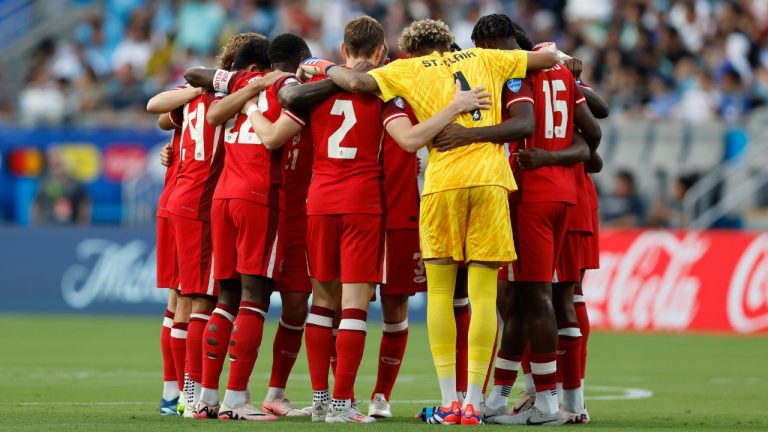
(695,60)
(690,63)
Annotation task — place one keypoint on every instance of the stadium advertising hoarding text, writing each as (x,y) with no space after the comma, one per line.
(649,280)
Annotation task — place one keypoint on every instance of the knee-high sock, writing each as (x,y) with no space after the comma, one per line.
(215,343)
(284,352)
(319,340)
(179,349)
(569,365)
(481,285)
(504,376)
(197,323)
(441,326)
(169,369)
(350,346)
(462,315)
(583,319)
(245,342)
(543,368)
(391,352)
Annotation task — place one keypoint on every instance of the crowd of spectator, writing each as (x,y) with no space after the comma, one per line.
(695,60)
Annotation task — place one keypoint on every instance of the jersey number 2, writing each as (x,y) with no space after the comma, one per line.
(552,105)
(335,151)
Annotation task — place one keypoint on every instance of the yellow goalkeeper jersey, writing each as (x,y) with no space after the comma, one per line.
(428,83)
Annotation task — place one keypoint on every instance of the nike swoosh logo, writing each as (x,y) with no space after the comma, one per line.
(533,423)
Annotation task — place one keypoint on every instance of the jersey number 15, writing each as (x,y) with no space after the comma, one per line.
(552,105)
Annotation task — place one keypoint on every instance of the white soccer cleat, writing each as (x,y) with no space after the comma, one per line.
(347,415)
(283,407)
(205,411)
(571,418)
(243,412)
(525,403)
(531,417)
(318,411)
(379,407)
(490,413)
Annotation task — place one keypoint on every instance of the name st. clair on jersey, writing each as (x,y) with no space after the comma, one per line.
(455,58)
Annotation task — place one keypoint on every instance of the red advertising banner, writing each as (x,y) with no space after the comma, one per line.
(680,280)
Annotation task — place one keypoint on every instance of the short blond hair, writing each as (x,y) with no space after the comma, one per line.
(426,35)
(233,45)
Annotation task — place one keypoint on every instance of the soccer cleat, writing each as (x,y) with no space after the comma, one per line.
(446,415)
(571,418)
(585,419)
(347,415)
(283,407)
(205,411)
(525,403)
(531,417)
(244,412)
(379,407)
(169,407)
(318,411)
(471,417)
(490,413)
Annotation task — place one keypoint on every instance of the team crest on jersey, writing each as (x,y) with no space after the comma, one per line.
(514,85)
(399,102)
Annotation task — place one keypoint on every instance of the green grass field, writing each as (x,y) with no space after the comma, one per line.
(103,374)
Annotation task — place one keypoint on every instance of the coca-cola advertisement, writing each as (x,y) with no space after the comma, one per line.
(680,281)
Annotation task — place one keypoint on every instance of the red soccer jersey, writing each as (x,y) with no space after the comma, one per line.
(555,96)
(580,215)
(401,186)
(347,134)
(594,202)
(251,171)
(177,118)
(200,161)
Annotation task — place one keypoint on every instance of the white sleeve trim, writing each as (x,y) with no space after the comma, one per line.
(518,100)
(394,116)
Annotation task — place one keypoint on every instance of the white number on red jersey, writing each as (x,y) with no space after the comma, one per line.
(196,122)
(553,105)
(335,150)
(246,134)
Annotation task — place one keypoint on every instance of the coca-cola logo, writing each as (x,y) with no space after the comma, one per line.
(648,286)
(109,271)
(748,292)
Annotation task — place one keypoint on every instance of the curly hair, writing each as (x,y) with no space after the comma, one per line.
(499,26)
(233,45)
(426,35)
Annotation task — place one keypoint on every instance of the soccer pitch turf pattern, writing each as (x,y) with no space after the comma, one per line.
(104,374)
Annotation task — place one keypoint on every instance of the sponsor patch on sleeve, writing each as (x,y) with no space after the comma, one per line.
(514,85)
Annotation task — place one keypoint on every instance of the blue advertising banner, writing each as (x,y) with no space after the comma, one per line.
(105,270)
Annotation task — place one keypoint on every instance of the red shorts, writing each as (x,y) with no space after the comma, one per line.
(568,268)
(403,268)
(195,252)
(244,239)
(294,272)
(166,254)
(346,246)
(539,229)
(590,247)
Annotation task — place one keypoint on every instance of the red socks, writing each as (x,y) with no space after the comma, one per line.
(350,344)
(505,372)
(285,350)
(215,343)
(462,315)
(391,352)
(169,369)
(569,355)
(197,323)
(544,370)
(246,340)
(179,350)
(319,341)
(583,319)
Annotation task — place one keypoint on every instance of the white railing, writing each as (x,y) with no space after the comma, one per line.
(140,195)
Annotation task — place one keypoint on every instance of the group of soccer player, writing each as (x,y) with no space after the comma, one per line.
(289,173)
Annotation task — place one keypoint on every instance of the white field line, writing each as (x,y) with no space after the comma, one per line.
(621,393)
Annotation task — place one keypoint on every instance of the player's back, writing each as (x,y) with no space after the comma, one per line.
(346,174)
(251,171)
(429,85)
(555,95)
(200,161)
